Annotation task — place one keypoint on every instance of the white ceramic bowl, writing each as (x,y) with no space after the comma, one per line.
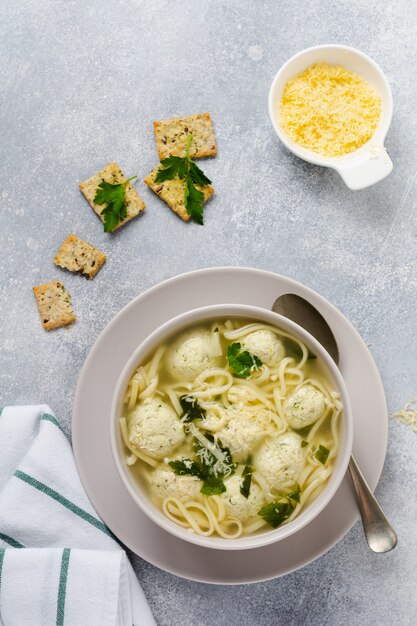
(370,163)
(178,324)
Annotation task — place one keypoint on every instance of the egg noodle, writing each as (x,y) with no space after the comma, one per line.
(233,406)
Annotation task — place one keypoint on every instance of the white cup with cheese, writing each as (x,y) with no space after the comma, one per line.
(331,105)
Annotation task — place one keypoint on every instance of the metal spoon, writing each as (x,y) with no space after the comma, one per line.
(378,531)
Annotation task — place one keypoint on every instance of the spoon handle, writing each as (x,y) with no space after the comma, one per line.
(378,531)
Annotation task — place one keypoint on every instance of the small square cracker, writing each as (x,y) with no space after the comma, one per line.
(173,192)
(54,305)
(171,136)
(79,256)
(112,174)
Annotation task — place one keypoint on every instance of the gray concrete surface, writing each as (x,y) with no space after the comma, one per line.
(80,84)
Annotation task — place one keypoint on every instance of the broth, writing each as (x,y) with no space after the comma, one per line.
(231,427)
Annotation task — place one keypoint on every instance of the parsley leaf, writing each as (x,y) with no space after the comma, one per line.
(322,454)
(192,410)
(205,467)
(194,201)
(295,495)
(113,196)
(242,363)
(186,467)
(246,482)
(213,486)
(304,443)
(275,513)
(185,169)
(172,167)
(197,176)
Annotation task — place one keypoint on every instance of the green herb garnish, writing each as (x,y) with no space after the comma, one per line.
(172,167)
(212,486)
(304,443)
(186,467)
(321,454)
(185,169)
(207,467)
(113,196)
(210,463)
(246,481)
(192,410)
(276,513)
(242,363)
(295,495)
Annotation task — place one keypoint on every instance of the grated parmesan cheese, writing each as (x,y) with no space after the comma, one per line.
(221,466)
(408,414)
(329,110)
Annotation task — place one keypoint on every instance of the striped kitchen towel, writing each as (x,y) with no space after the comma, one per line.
(59,563)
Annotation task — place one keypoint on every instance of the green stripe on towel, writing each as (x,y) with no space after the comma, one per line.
(2,553)
(12,542)
(46,417)
(62,500)
(62,589)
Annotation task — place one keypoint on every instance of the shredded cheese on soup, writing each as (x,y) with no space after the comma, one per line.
(329,110)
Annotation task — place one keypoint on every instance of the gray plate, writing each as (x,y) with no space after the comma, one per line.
(91,432)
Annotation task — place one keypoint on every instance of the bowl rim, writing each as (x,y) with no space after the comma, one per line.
(179,323)
(313,157)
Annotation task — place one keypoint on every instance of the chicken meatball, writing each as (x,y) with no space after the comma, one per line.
(166,484)
(265,345)
(237,505)
(155,428)
(191,354)
(280,461)
(304,407)
(244,429)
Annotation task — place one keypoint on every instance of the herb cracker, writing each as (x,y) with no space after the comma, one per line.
(76,255)
(171,136)
(54,305)
(173,192)
(112,174)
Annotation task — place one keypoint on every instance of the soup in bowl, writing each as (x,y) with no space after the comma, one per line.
(231,427)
